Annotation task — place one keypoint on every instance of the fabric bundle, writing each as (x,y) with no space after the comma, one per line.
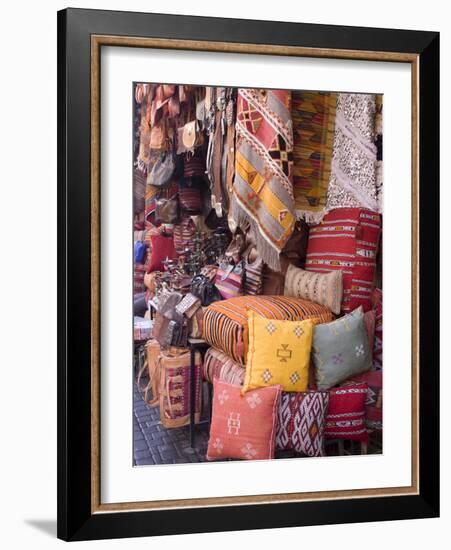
(263,189)
(313,116)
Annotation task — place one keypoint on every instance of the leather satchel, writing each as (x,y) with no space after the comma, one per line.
(188,305)
(178,331)
(192,135)
(190,200)
(295,249)
(168,308)
(167,210)
(162,171)
(205,290)
(160,327)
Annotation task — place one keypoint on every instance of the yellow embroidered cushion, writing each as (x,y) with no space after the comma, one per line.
(278,353)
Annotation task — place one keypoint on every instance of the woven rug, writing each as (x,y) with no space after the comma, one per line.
(353,172)
(263,189)
(313,116)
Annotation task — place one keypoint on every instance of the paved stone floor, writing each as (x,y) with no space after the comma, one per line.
(154,444)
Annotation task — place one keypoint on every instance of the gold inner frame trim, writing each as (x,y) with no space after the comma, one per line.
(97,41)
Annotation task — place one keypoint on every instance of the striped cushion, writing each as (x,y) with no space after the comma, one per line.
(218,365)
(322,288)
(225,322)
(347,239)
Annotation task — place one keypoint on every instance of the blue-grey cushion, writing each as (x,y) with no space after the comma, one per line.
(340,349)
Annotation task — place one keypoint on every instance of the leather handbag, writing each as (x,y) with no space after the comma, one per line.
(177,334)
(167,210)
(139,191)
(188,305)
(190,200)
(160,326)
(168,308)
(197,323)
(295,249)
(162,171)
(194,165)
(192,136)
(158,136)
(236,247)
(205,290)
(273,283)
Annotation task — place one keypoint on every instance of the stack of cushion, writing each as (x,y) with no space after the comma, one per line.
(321,371)
(225,323)
(278,358)
(347,240)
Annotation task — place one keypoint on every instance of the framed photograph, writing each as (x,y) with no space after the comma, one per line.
(248,274)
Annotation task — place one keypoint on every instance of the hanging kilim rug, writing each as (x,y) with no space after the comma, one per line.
(313,116)
(353,182)
(263,189)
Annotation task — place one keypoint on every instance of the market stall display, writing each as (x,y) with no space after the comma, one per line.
(257,247)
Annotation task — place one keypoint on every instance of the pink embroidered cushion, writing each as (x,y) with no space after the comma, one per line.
(243,427)
(346,414)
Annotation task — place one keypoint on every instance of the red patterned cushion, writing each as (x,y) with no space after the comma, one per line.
(373,404)
(346,414)
(347,239)
(162,248)
(243,426)
(301,418)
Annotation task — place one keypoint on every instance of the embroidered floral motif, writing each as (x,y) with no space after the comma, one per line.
(248,451)
(266,375)
(223,396)
(359,350)
(271,328)
(294,377)
(298,331)
(218,445)
(253,400)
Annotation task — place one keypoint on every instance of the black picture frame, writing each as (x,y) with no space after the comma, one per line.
(76,521)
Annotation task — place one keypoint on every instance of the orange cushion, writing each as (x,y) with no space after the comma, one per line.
(243,426)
